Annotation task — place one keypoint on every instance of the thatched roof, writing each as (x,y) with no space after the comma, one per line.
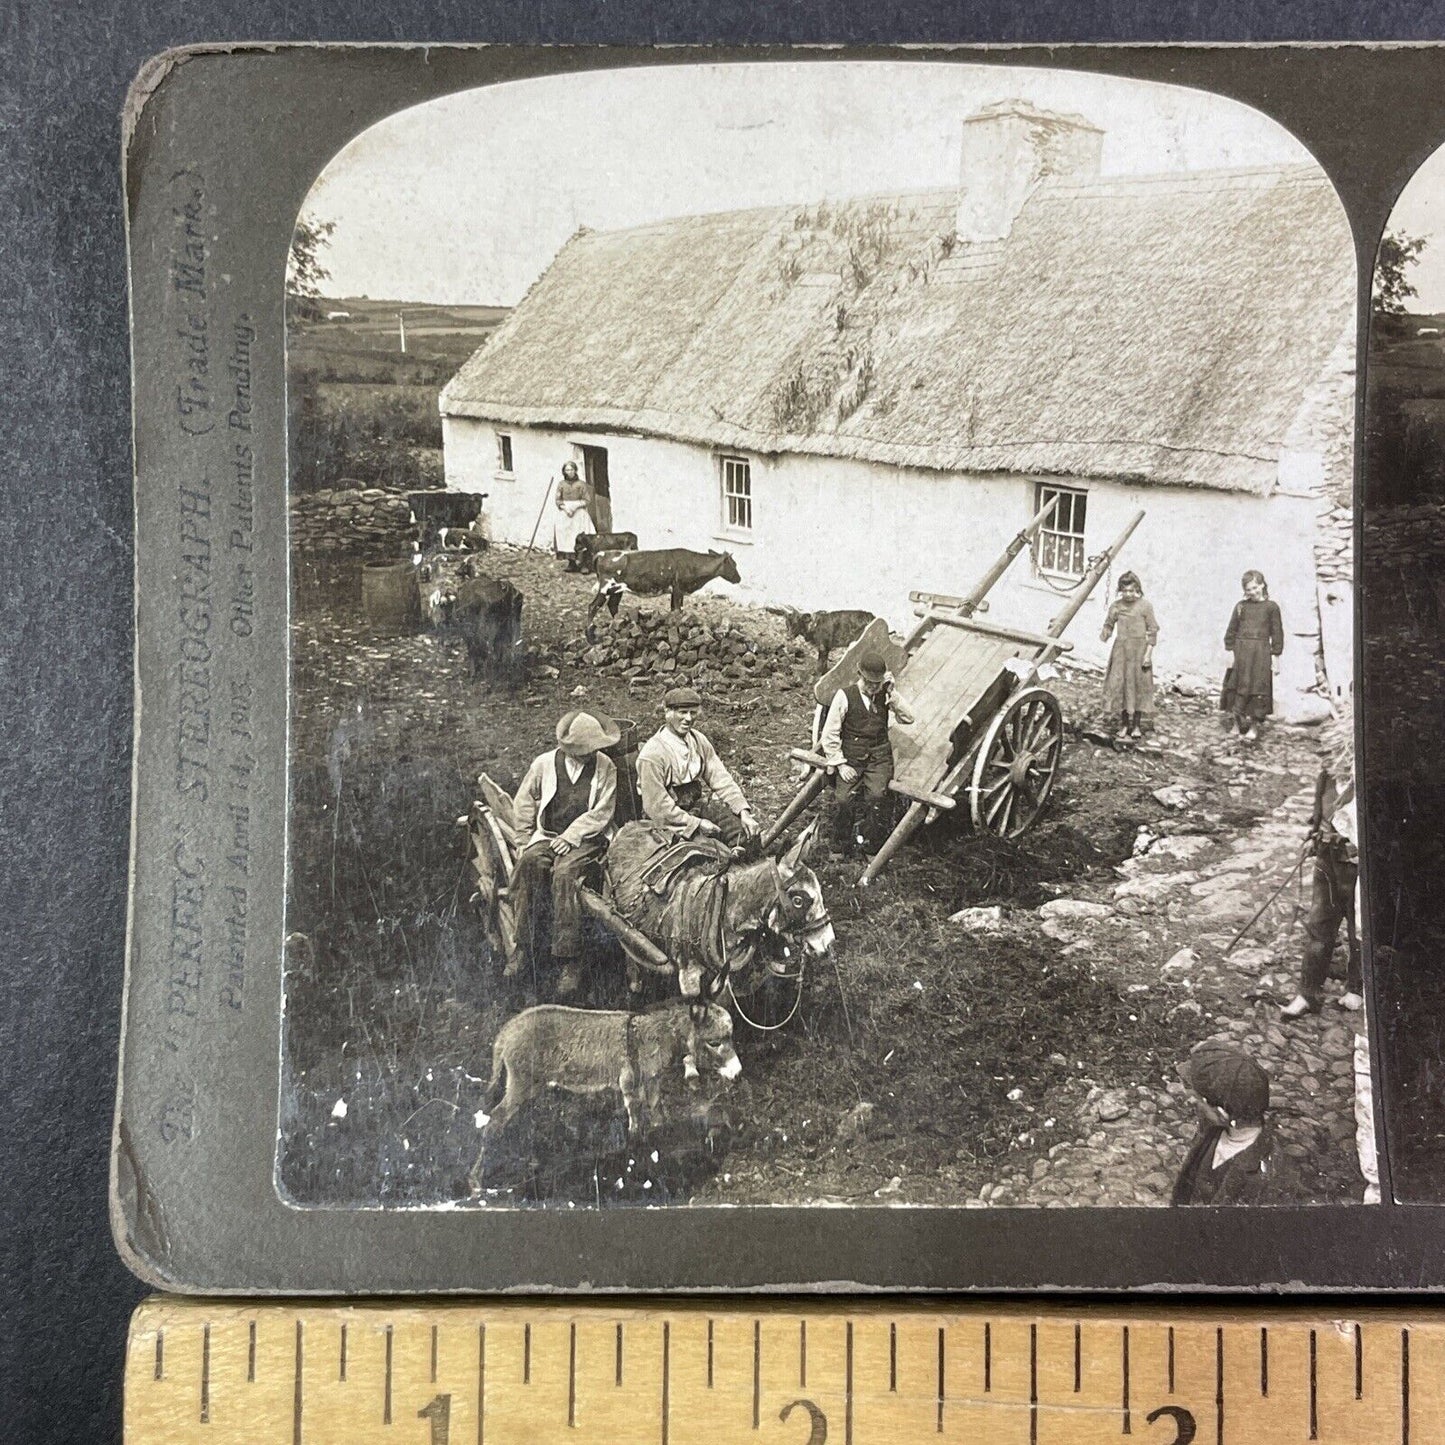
(1160,329)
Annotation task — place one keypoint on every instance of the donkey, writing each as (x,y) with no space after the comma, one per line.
(712,913)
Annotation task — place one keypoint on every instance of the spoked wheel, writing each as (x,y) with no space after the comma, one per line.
(1017,761)
(492,865)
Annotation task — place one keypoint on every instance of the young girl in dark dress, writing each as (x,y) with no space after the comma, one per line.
(1129,680)
(1255,636)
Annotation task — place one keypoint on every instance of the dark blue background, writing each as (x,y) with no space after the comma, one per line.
(65,557)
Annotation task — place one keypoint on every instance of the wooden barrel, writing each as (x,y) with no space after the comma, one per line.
(390,597)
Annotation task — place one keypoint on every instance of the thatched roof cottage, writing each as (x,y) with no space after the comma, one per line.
(865,397)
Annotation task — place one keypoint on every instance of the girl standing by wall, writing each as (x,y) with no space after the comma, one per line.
(1255,635)
(1129,680)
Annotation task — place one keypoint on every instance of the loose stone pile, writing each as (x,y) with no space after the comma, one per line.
(370,523)
(665,645)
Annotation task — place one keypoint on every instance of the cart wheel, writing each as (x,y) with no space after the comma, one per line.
(1018,758)
(492,864)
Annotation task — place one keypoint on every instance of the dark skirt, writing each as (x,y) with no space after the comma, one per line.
(1128,684)
(1249,685)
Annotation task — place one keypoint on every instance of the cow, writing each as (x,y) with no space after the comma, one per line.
(825,630)
(590,544)
(598,1051)
(673,570)
(487,611)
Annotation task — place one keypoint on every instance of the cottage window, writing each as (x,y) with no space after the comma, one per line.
(737,494)
(504,452)
(1059,546)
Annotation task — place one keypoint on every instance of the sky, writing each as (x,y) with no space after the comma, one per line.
(1420,211)
(468,198)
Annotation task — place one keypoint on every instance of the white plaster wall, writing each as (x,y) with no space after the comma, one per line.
(833,533)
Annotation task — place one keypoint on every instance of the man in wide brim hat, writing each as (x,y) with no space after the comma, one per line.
(684,786)
(563,810)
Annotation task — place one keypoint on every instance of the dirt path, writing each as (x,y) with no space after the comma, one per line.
(929,1063)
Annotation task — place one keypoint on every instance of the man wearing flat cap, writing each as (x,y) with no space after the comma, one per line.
(1228,1160)
(563,810)
(685,788)
(856,746)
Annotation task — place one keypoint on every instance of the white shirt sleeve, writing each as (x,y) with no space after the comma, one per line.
(832,738)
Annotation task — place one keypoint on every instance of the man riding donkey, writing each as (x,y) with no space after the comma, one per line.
(856,746)
(685,788)
(563,809)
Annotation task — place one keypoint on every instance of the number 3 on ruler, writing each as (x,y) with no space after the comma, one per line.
(1183,1423)
(439,1412)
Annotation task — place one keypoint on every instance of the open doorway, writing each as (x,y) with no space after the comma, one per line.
(594,464)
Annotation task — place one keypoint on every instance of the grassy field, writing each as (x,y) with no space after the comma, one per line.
(363,412)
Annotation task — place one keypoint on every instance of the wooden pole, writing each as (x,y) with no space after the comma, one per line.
(1087,583)
(642,949)
(907,825)
(805,795)
(551,483)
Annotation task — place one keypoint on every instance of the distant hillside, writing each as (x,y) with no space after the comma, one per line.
(361,409)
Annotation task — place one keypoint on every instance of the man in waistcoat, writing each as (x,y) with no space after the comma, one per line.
(685,789)
(564,811)
(856,747)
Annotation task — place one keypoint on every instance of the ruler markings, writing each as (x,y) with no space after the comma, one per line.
(942,1336)
(1314,1388)
(1034,1384)
(572,1377)
(667,1378)
(1124,1375)
(481,1383)
(386,1384)
(757,1372)
(1219,1386)
(1405,1387)
(217,1371)
(296,1400)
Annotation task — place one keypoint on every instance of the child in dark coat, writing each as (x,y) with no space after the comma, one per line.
(1129,680)
(1228,1161)
(1255,636)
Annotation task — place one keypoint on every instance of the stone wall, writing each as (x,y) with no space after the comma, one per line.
(370,523)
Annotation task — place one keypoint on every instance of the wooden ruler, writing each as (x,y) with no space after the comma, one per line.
(804,1374)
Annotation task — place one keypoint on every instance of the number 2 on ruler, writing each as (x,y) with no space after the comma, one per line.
(439,1412)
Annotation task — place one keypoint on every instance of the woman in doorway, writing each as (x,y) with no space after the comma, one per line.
(574,514)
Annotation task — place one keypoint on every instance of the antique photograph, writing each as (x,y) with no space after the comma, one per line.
(1404,672)
(822,646)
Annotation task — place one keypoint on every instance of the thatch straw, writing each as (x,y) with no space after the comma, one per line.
(1158,329)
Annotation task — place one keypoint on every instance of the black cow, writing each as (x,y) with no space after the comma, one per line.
(825,630)
(591,544)
(673,570)
(488,614)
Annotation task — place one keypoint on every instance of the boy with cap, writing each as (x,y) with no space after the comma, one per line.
(856,746)
(1227,1162)
(563,809)
(685,788)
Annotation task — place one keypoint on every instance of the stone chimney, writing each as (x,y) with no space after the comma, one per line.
(1009,149)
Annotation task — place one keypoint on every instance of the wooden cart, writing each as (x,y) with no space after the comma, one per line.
(494,856)
(986,734)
